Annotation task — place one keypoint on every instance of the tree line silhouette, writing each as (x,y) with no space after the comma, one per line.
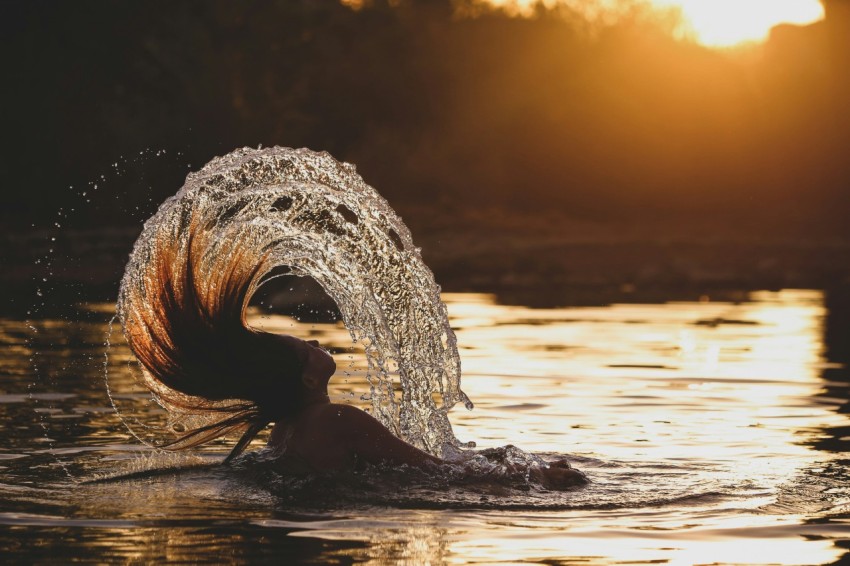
(437,110)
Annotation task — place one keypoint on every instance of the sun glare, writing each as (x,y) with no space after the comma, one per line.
(713,23)
(726,23)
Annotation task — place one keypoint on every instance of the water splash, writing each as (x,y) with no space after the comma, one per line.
(315,215)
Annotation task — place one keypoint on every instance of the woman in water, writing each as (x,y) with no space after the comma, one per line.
(185,322)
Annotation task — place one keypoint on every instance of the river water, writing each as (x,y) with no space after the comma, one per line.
(712,432)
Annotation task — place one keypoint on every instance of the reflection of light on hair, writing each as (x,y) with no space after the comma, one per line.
(714,23)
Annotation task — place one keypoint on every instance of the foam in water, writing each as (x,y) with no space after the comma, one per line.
(307,211)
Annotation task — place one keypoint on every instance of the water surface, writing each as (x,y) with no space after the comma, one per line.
(713,432)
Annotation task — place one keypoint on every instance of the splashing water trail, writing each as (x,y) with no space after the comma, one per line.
(263,209)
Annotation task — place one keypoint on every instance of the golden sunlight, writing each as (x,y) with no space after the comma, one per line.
(726,23)
(713,23)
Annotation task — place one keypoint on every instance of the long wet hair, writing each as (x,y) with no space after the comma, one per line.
(183,310)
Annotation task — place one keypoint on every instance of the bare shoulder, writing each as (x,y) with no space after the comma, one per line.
(323,436)
(350,412)
(346,419)
(330,410)
(335,419)
(368,440)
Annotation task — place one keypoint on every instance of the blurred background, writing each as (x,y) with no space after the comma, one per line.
(599,151)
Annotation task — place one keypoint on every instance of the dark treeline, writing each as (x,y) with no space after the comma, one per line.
(436,110)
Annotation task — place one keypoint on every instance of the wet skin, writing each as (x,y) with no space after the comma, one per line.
(327,436)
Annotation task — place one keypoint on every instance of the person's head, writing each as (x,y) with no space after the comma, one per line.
(285,374)
(317,365)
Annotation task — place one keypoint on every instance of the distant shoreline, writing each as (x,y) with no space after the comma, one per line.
(520,266)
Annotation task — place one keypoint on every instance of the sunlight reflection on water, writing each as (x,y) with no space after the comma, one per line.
(695,421)
(680,395)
